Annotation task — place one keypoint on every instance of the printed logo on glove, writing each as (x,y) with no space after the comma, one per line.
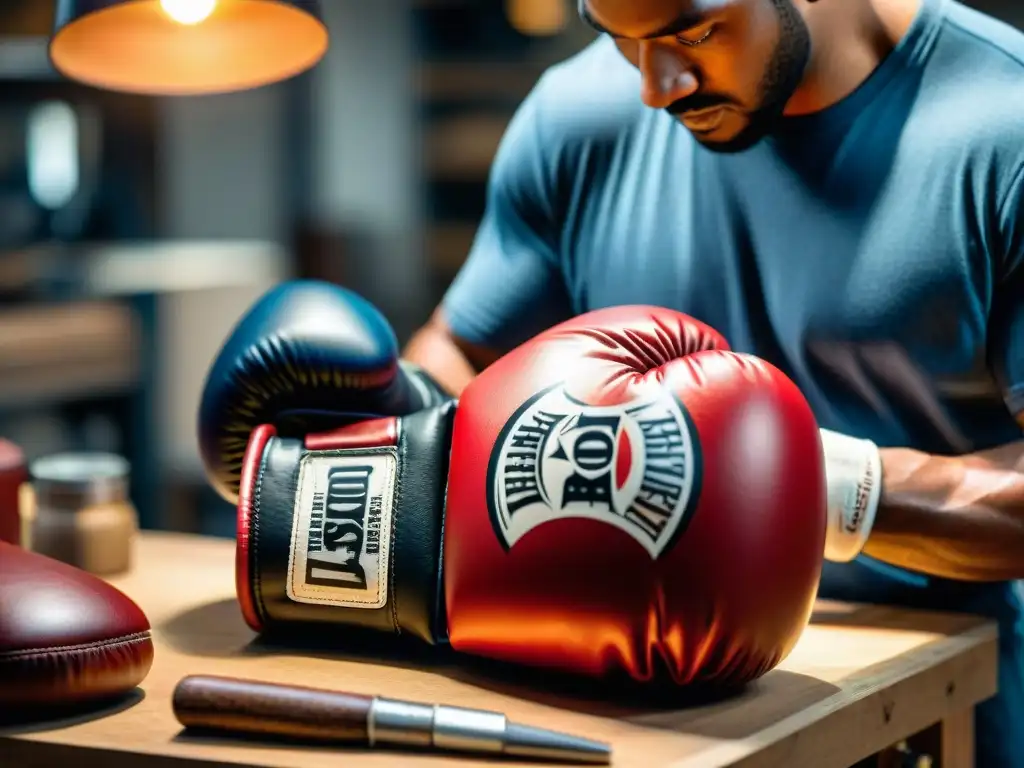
(342,529)
(630,465)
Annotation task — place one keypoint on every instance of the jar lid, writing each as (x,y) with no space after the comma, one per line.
(10,454)
(96,476)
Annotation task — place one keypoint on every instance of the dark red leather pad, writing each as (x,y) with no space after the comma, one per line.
(66,636)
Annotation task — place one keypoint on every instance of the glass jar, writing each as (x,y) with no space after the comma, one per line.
(81,512)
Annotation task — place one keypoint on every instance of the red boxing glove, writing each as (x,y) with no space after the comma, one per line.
(651,502)
(623,495)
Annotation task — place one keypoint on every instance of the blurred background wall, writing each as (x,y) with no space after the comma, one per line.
(134,231)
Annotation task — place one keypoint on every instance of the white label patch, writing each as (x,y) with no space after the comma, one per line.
(633,466)
(341,529)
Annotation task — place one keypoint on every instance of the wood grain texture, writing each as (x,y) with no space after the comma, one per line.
(957,741)
(861,678)
(271,709)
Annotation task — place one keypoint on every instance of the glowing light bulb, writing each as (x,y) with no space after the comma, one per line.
(188,11)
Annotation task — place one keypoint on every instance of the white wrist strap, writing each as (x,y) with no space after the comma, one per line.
(853,470)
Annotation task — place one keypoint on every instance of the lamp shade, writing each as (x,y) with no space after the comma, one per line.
(185,47)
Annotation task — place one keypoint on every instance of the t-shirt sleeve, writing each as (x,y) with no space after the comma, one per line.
(511,286)
(1007,319)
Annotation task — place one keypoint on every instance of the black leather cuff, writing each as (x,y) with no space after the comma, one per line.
(424,386)
(351,535)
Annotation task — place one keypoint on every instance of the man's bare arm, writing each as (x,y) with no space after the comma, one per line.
(451,361)
(955,517)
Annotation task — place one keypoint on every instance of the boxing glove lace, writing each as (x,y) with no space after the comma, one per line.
(307,355)
(621,495)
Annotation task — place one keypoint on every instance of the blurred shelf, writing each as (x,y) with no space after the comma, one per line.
(477,62)
(66,351)
(448,245)
(463,147)
(25,58)
(170,267)
(99,270)
(481,81)
(26,17)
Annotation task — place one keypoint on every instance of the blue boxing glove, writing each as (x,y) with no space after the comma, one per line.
(307,356)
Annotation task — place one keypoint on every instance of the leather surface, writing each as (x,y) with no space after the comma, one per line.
(65,635)
(414,584)
(251,468)
(13,473)
(307,356)
(364,434)
(630,500)
(419,520)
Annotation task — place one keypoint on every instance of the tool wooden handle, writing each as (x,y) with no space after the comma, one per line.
(250,706)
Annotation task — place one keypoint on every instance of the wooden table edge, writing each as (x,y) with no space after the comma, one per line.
(27,753)
(970,655)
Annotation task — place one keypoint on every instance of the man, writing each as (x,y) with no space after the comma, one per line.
(838,187)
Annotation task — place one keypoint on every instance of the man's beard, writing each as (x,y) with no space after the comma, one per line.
(781,77)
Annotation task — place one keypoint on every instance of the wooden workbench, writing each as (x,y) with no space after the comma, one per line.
(861,679)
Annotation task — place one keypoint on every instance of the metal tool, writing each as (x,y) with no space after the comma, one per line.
(224,703)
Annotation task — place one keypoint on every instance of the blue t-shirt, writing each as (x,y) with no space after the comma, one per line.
(873,251)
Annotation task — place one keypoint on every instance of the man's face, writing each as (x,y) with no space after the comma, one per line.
(725,68)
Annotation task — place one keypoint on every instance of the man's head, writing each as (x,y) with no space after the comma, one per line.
(726,68)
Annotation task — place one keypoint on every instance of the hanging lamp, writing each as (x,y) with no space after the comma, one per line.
(185,47)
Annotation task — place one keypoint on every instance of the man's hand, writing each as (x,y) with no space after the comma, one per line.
(956,517)
(452,362)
